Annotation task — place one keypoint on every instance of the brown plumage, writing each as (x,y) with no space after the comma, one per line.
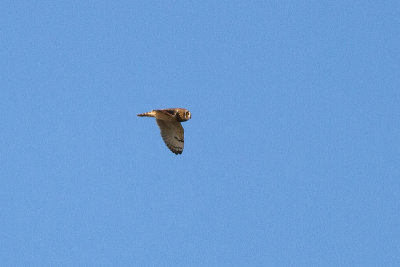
(169,121)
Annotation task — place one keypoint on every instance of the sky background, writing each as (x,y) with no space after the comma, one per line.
(292,155)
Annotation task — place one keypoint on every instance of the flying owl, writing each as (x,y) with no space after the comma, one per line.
(169,120)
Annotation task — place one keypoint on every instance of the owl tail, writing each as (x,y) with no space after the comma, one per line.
(148,114)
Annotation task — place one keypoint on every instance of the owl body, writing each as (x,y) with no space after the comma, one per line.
(169,121)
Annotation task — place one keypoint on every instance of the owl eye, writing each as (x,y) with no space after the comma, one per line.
(187,114)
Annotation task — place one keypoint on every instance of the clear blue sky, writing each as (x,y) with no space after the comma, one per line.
(292,155)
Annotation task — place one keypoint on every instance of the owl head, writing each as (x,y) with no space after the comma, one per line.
(184,115)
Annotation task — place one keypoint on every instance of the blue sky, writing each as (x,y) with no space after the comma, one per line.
(291,156)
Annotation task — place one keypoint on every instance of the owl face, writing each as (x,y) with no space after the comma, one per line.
(183,115)
(187,115)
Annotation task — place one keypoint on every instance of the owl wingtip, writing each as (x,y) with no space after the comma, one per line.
(147,114)
(177,152)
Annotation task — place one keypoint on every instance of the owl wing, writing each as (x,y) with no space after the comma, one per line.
(166,114)
(172,134)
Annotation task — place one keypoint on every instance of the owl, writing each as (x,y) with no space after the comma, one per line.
(169,121)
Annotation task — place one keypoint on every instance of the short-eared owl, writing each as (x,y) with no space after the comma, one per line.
(169,120)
